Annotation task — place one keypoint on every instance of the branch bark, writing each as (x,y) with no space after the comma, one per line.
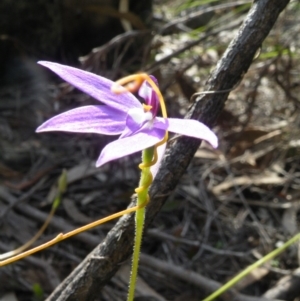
(85,282)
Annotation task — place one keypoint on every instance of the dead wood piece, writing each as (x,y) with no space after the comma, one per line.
(196,279)
(87,279)
(265,178)
(180,240)
(287,288)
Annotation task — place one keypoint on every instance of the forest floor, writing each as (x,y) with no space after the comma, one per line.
(233,205)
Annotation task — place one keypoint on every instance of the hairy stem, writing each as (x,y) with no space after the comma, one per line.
(142,199)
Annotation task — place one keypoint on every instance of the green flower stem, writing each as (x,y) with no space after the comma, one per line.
(142,198)
(250,268)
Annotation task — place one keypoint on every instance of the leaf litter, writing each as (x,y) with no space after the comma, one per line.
(232,206)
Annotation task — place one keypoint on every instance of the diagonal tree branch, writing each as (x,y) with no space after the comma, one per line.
(85,282)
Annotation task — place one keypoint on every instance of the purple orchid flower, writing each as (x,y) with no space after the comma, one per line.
(122,114)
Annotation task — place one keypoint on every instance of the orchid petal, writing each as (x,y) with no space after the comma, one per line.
(161,123)
(96,86)
(190,127)
(129,145)
(87,119)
